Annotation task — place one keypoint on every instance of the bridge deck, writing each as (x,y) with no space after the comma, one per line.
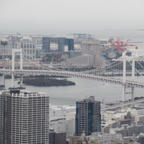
(130,83)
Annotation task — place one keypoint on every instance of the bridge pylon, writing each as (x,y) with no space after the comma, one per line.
(124,76)
(133,77)
(128,90)
(14,52)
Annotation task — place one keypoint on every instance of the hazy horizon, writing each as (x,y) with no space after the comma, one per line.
(70,16)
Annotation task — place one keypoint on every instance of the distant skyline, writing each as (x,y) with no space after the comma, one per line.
(70,16)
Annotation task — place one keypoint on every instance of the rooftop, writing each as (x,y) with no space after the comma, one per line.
(15,92)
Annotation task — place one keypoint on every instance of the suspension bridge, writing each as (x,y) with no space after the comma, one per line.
(98,75)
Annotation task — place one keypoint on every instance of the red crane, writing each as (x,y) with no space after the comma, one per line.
(121,46)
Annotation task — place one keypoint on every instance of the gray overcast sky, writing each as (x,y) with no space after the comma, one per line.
(70,15)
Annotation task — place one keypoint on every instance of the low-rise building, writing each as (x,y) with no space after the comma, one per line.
(97,138)
(57,138)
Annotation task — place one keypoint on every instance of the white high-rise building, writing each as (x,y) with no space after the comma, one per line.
(24,117)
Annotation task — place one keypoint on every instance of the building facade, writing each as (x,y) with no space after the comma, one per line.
(31,47)
(88,116)
(37,41)
(28,48)
(57,138)
(52,44)
(24,117)
(12,42)
(93,48)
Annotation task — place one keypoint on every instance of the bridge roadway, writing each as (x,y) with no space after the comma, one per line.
(122,105)
(129,83)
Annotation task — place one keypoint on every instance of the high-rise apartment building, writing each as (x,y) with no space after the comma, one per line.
(88,116)
(24,117)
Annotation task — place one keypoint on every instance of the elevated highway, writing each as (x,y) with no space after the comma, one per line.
(124,104)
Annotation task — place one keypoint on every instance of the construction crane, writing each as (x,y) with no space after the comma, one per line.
(121,45)
(115,48)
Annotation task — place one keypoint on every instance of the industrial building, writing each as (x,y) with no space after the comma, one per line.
(88,116)
(24,117)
